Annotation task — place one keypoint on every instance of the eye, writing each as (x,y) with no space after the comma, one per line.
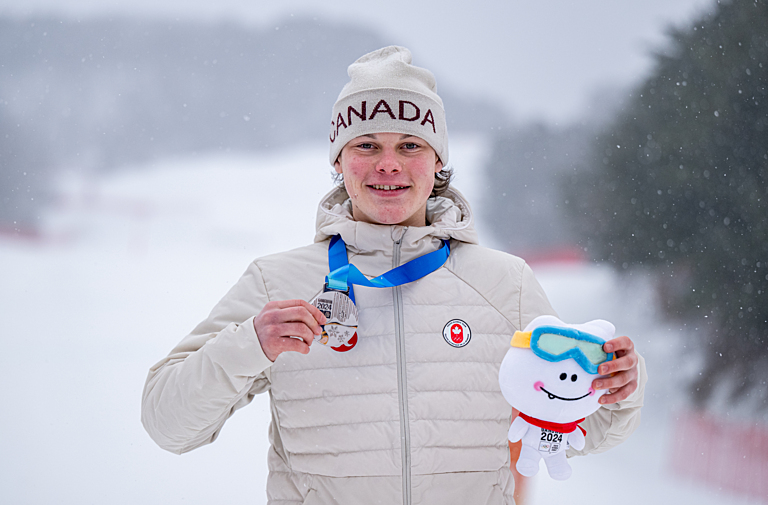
(563,376)
(365,145)
(409,146)
(574,378)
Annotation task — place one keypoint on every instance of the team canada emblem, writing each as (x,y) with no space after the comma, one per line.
(457,333)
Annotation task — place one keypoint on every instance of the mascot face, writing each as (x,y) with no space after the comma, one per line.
(555,391)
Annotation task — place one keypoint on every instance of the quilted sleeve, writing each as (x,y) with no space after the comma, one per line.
(215,370)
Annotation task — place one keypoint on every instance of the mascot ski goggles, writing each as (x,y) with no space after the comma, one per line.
(553,343)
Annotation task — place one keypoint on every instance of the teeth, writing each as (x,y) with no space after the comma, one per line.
(387,188)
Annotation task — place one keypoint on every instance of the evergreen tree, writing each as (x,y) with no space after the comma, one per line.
(680,183)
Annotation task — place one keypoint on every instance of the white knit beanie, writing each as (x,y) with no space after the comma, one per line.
(388,94)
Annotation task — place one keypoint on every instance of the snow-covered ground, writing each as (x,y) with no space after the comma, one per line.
(130,262)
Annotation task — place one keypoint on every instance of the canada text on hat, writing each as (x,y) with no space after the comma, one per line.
(388,94)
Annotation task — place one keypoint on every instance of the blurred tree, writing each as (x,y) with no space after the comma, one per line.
(679,182)
(525,202)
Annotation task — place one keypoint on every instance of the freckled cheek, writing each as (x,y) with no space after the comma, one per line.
(353,181)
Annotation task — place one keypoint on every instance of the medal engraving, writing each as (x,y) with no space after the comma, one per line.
(340,329)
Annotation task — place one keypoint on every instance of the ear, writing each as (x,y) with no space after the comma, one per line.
(438,164)
(337,165)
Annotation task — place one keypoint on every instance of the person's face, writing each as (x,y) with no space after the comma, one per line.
(389,177)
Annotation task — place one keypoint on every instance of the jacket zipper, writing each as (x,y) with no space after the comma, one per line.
(402,379)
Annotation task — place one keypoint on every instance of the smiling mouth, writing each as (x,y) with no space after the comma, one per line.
(385,187)
(552,396)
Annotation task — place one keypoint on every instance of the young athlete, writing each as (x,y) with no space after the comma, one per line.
(398,401)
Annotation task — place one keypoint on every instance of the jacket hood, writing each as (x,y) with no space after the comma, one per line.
(449,217)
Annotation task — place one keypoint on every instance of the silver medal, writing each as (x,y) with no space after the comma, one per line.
(340,329)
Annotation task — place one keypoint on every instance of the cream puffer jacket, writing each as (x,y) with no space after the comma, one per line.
(403,417)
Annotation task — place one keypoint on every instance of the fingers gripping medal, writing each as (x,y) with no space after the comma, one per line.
(340,329)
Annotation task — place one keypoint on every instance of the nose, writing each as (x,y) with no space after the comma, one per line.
(388,163)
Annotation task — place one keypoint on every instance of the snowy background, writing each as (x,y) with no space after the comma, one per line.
(554,60)
(125,259)
(130,262)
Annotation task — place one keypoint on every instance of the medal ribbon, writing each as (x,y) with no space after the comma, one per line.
(343,274)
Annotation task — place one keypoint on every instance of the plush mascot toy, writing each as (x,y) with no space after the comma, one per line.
(547,375)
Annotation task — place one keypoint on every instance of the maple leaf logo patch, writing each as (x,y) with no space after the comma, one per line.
(457,333)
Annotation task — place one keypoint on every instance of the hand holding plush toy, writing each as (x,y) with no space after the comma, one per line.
(547,375)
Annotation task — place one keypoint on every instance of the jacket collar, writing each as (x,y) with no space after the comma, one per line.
(449,217)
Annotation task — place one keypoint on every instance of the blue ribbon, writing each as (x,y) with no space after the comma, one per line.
(344,275)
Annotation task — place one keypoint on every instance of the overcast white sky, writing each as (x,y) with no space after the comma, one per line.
(546,59)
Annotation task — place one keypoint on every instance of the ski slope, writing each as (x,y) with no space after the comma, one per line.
(128,263)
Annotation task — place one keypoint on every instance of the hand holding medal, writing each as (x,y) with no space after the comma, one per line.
(331,318)
(287,325)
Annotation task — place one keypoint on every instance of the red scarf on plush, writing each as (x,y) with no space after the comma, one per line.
(560,428)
